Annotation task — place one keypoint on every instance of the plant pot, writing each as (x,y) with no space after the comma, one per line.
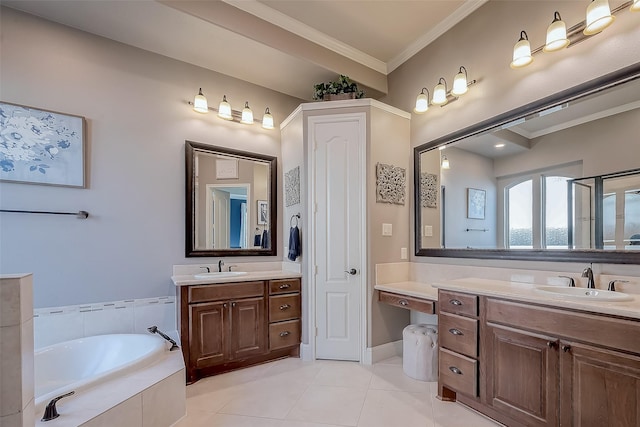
(338,96)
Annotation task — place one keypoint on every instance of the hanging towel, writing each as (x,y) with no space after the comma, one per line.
(265,240)
(257,238)
(294,243)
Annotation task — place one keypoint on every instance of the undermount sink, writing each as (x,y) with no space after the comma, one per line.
(219,274)
(584,294)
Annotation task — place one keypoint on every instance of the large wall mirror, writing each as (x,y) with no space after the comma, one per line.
(231,206)
(558,180)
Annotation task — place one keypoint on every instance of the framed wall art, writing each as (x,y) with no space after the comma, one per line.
(263,212)
(41,147)
(476,202)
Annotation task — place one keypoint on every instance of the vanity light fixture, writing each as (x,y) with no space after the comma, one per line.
(556,35)
(200,103)
(247,114)
(522,52)
(460,85)
(599,17)
(422,101)
(445,163)
(224,109)
(442,147)
(267,119)
(635,6)
(440,93)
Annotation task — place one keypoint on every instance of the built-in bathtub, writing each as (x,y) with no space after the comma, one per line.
(95,366)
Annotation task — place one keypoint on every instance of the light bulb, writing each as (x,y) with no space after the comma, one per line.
(556,35)
(598,17)
(267,119)
(440,92)
(422,101)
(247,114)
(460,86)
(200,103)
(635,6)
(224,109)
(445,163)
(522,52)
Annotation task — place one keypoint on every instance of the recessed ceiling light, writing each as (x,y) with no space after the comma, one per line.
(499,145)
(442,147)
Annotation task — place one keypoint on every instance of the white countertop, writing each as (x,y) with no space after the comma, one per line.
(411,289)
(188,279)
(527,292)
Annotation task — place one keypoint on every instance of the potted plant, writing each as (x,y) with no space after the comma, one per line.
(343,88)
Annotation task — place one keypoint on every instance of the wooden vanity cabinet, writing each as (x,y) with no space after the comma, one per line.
(231,325)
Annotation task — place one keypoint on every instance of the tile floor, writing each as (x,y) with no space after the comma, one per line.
(293,393)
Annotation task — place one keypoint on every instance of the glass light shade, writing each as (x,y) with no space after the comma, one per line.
(247,115)
(598,17)
(422,102)
(556,35)
(522,52)
(224,109)
(635,6)
(267,119)
(200,103)
(445,163)
(459,84)
(439,93)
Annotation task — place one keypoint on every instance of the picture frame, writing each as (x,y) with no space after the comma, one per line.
(476,203)
(226,168)
(262,212)
(41,147)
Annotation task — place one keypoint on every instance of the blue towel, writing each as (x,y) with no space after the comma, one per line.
(265,240)
(294,243)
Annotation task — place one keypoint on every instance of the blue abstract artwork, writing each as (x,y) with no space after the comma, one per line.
(41,147)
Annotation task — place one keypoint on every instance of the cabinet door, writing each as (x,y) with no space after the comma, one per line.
(208,340)
(599,387)
(522,375)
(248,327)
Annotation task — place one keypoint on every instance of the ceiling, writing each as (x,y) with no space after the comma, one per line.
(284,45)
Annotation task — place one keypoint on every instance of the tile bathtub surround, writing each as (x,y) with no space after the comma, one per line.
(294,393)
(57,324)
(16,350)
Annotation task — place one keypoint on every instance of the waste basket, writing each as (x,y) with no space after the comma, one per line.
(420,352)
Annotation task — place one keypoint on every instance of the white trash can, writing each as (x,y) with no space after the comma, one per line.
(420,352)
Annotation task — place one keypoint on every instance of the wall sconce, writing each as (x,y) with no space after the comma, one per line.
(445,163)
(440,95)
(225,111)
(598,17)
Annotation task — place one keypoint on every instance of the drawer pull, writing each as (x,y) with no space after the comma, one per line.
(455,370)
(455,331)
(284,333)
(285,306)
(455,302)
(403,302)
(284,286)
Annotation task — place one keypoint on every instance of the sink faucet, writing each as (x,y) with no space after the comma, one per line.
(231,266)
(220,265)
(588,273)
(208,269)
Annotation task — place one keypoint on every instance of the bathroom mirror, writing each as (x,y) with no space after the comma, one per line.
(231,206)
(556,180)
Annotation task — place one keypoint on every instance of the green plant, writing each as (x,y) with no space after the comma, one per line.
(343,85)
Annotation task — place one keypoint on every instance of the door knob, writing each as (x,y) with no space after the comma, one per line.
(352,272)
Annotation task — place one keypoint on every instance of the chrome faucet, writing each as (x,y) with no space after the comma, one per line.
(572,283)
(208,269)
(231,266)
(220,265)
(588,273)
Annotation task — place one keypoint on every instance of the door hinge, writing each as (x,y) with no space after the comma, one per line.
(315,270)
(315,207)
(316,331)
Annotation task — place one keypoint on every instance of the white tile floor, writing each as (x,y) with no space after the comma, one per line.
(293,393)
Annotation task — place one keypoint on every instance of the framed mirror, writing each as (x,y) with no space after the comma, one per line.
(555,180)
(231,202)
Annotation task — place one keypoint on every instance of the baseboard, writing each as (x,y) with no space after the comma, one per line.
(305,352)
(381,352)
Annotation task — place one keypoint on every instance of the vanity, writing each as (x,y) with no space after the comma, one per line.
(233,322)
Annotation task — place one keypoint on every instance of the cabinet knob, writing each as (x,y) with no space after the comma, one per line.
(233,304)
(224,305)
(403,302)
(284,306)
(284,333)
(455,302)
(455,331)
(284,286)
(551,344)
(566,348)
(455,370)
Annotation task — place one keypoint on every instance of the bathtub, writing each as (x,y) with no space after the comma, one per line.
(85,362)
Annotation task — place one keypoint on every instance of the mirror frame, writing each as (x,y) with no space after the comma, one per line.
(562,255)
(190,149)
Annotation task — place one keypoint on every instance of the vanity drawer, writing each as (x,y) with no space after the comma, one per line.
(406,302)
(284,307)
(227,291)
(458,303)
(458,333)
(284,286)
(458,372)
(284,334)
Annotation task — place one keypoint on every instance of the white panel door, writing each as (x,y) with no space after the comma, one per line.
(339,145)
(220,207)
